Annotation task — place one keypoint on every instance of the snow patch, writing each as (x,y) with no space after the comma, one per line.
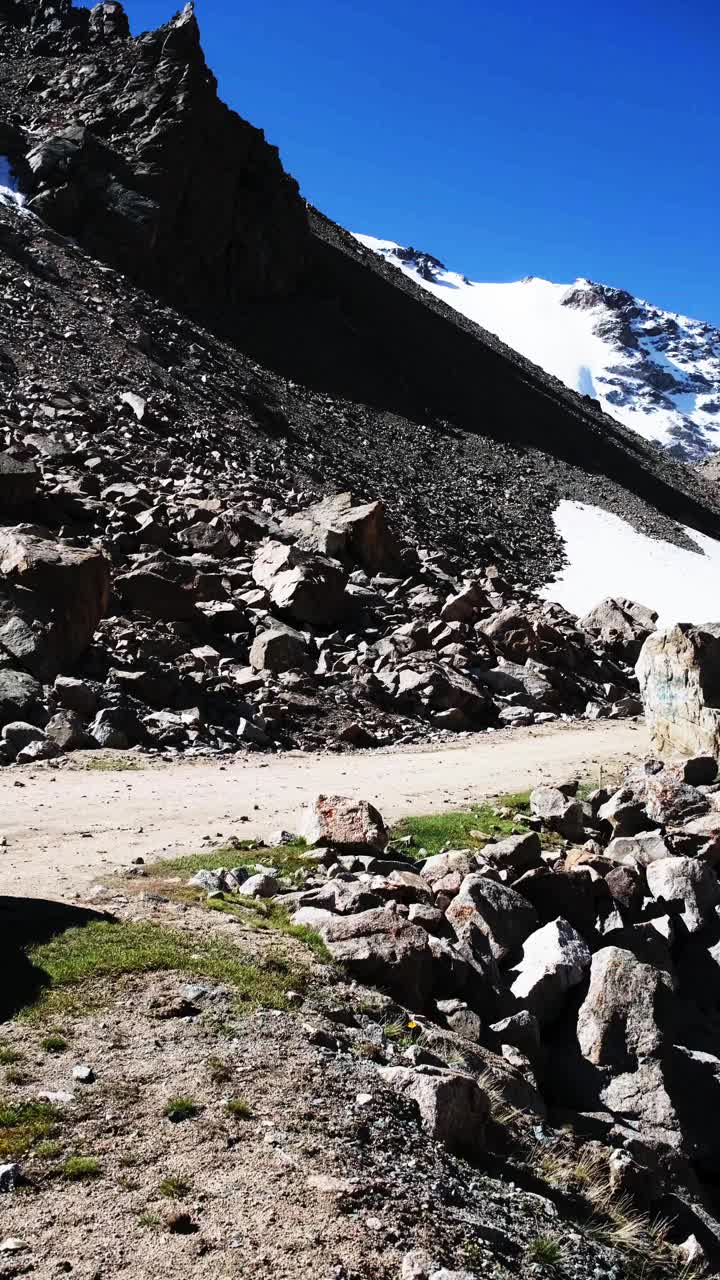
(9,193)
(654,371)
(608,557)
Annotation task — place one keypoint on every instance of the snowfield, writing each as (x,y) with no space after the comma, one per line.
(656,372)
(607,557)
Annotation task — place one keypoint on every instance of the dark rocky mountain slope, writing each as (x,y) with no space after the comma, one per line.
(190,361)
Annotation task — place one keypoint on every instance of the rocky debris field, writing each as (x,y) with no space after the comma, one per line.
(334,1053)
(581,950)
(181,564)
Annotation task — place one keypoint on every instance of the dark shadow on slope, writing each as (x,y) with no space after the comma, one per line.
(24,922)
(356,334)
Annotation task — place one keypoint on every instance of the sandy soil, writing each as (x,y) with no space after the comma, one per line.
(64,825)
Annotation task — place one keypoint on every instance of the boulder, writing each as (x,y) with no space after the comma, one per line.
(555,959)
(343,823)
(18,481)
(152,592)
(307,588)
(625,1014)
(501,914)
(20,697)
(515,853)
(453,862)
(453,1108)
(75,695)
(17,734)
(558,812)
(383,947)
(335,527)
(72,588)
(688,888)
(679,674)
(638,850)
(68,731)
(622,626)
(279,649)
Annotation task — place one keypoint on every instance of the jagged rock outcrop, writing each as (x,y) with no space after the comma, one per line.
(150,171)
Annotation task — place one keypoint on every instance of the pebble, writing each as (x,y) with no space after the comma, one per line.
(85,1075)
(12,1245)
(9,1175)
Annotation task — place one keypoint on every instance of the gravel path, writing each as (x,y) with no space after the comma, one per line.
(65,825)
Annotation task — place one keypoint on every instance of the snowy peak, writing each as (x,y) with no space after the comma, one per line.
(655,371)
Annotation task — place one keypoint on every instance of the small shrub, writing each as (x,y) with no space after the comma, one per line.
(239,1109)
(174,1188)
(148,1220)
(220,1071)
(48,1149)
(81,1168)
(8,1055)
(545,1250)
(177,1109)
(54,1044)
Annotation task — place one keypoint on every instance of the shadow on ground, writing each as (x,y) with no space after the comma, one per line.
(24,922)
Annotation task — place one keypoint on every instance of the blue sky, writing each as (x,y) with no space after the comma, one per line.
(507,137)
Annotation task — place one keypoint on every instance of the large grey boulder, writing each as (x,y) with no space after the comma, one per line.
(626,1011)
(555,959)
(305,588)
(18,481)
(688,887)
(558,812)
(621,625)
(453,1108)
(335,527)
(383,947)
(638,850)
(502,915)
(344,823)
(279,649)
(679,674)
(20,697)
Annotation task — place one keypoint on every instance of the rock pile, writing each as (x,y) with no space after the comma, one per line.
(584,951)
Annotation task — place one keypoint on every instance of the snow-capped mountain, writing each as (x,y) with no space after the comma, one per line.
(654,371)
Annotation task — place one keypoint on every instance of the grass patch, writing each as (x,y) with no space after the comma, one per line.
(54,1044)
(23,1125)
(8,1055)
(178,1109)
(81,1168)
(220,1071)
(81,956)
(110,764)
(174,1188)
(464,829)
(16,1075)
(150,1220)
(546,1250)
(49,1149)
(287,858)
(239,1109)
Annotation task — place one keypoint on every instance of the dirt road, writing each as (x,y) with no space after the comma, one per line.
(63,826)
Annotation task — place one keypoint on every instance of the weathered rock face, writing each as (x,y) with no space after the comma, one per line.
(679,675)
(131,185)
(621,625)
(344,824)
(452,1106)
(53,597)
(361,533)
(380,946)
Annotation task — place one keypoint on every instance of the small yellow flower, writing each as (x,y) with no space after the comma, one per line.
(412,1025)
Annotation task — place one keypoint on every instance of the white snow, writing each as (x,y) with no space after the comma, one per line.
(9,193)
(608,557)
(529,316)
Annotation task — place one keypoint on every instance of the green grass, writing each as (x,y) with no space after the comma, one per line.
(546,1250)
(54,1044)
(8,1056)
(463,829)
(254,913)
(81,1168)
(177,1109)
(15,1075)
(82,956)
(49,1149)
(174,1188)
(23,1125)
(239,1109)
